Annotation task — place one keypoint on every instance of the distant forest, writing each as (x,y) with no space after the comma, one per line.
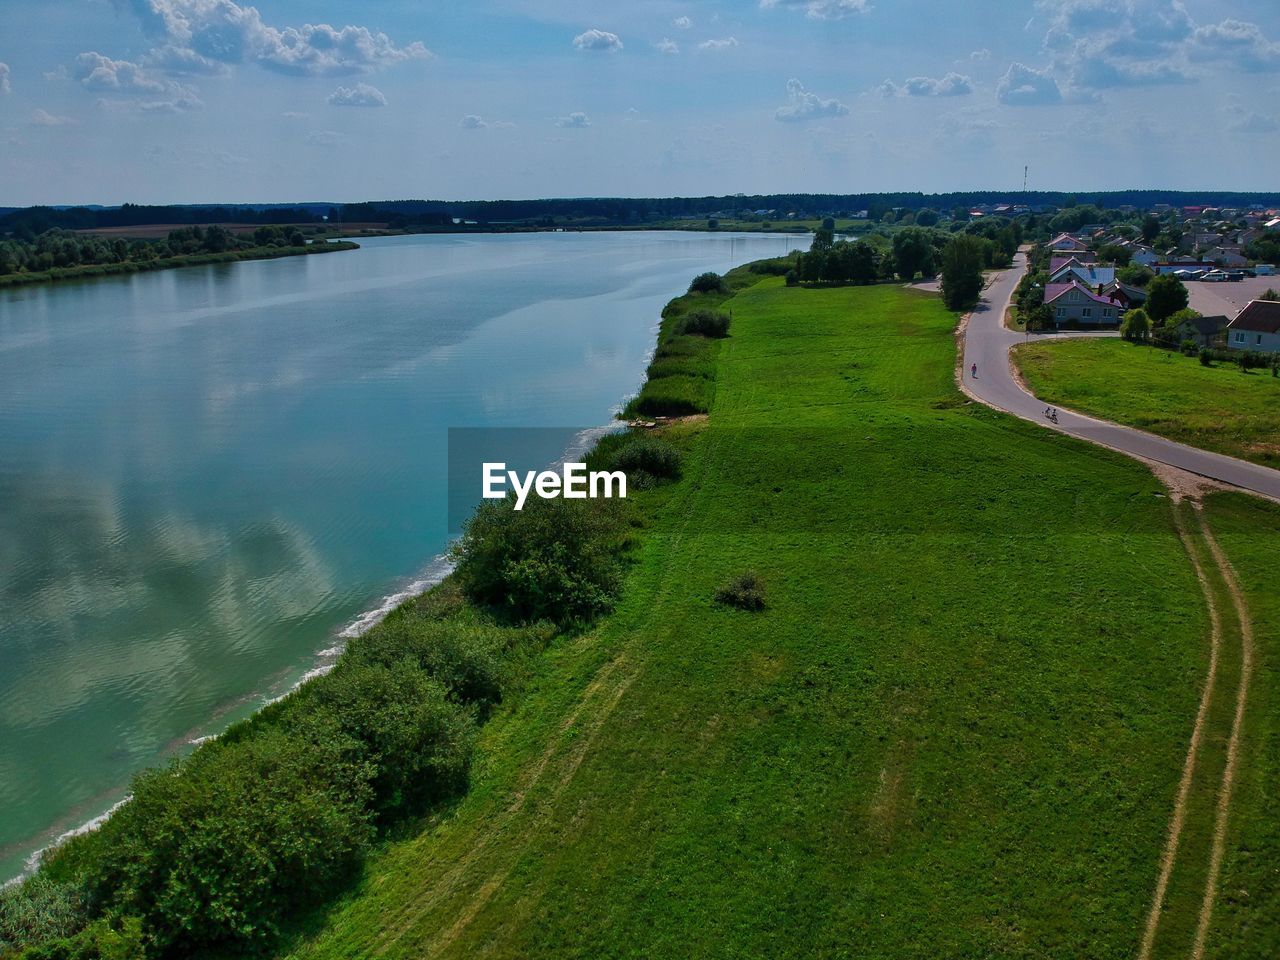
(598,211)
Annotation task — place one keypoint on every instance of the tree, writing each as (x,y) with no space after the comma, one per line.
(1114,253)
(709,282)
(1136,326)
(962,261)
(1166,295)
(913,253)
(927,217)
(1150,228)
(828,224)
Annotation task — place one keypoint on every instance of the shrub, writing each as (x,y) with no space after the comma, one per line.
(100,941)
(704,323)
(1189,347)
(709,282)
(1136,325)
(212,850)
(745,592)
(557,560)
(645,455)
(674,396)
(40,909)
(1206,358)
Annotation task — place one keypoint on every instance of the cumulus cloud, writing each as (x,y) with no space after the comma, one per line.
(598,40)
(668,46)
(472,122)
(952,85)
(983,54)
(361,95)
(4,78)
(1237,42)
(201,33)
(803,105)
(141,88)
(574,121)
(723,44)
(43,118)
(1023,86)
(682,23)
(822,9)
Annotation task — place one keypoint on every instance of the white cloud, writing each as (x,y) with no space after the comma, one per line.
(200,33)
(142,89)
(983,54)
(598,40)
(574,121)
(668,46)
(1023,86)
(723,44)
(472,122)
(1238,42)
(952,85)
(361,95)
(43,118)
(682,23)
(822,9)
(5,87)
(803,105)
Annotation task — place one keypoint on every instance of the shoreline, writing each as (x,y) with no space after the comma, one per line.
(101,270)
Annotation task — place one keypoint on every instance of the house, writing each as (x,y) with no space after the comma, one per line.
(1257,327)
(1082,259)
(1066,243)
(1090,274)
(1074,304)
(1144,256)
(1124,294)
(1204,331)
(1226,257)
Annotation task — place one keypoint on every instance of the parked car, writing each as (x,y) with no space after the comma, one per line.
(1214,276)
(1235,276)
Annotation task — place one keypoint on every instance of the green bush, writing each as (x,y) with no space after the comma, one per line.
(642,455)
(674,396)
(40,909)
(100,941)
(557,560)
(745,592)
(1206,358)
(704,323)
(708,283)
(213,850)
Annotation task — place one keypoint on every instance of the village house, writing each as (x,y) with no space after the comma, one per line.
(1257,327)
(1226,257)
(1124,294)
(1066,243)
(1074,304)
(1203,331)
(1090,274)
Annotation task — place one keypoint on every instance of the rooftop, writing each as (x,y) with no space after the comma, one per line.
(1260,316)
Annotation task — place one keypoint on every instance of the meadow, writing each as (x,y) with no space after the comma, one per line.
(1217,407)
(956,728)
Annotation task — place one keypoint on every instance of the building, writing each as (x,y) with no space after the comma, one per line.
(1190,265)
(1124,294)
(1074,304)
(1066,243)
(1257,327)
(1226,257)
(1204,331)
(1090,274)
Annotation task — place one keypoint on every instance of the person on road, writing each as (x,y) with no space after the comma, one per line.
(974,371)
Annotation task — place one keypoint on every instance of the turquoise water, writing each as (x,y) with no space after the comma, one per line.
(206,474)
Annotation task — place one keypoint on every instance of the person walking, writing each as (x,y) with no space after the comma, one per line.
(973,370)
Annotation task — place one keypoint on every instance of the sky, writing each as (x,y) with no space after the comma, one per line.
(183,101)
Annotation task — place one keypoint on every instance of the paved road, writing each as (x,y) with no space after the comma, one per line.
(988,342)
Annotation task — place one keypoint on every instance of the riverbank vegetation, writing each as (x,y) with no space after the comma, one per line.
(64,255)
(828,665)
(1215,405)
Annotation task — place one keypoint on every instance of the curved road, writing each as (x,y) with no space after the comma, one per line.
(987,343)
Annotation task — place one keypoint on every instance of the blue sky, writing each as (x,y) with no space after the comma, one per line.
(216,100)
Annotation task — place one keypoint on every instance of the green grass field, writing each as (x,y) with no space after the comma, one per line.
(1217,408)
(956,730)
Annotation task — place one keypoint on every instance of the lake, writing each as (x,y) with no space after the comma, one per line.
(207,474)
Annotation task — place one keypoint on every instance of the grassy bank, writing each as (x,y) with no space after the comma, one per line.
(954,730)
(1217,407)
(166,263)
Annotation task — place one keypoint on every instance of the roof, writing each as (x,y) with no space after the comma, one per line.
(1089,273)
(1066,236)
(1052,291)
(1207,326)
(1261,316)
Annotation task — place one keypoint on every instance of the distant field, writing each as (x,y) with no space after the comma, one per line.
(756,226)
(159,231)
(1217,408)
(956,731)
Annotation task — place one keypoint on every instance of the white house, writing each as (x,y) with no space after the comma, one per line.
(1066,243)
(1257,327)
